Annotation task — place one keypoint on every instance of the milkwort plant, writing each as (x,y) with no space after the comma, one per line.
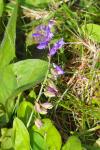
(43,36)
(24,104)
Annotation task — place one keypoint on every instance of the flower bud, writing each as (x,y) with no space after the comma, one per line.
(51,90)
(47,105)
(40,109)
(38,123)
(58,70)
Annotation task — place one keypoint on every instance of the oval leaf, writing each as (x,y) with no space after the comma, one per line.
(37,141)
(24,110)
(93,31)
(50,134)
(20,76)
(21,136)
(73,142)
(29,71)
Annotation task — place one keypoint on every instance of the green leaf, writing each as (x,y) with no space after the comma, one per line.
(24,110)
(30,72)
(8,83)
(91,147)
(20,76)
(73,142)
(3,116)
(21,136)
(6,140)
(7,47)
(37,141)
(32,95)
(1,7)
(92,31)
(50,134)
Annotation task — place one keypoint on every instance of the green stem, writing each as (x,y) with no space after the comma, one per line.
(30,118)
(41,89)
(40,92)
(94,129)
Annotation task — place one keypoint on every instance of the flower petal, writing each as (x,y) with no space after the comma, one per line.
(42,45)
(58,70)
(49,94)
(47,105)
(36,34)
(56,46)
(51,90)
(40,109)
(38,123)
(53,51)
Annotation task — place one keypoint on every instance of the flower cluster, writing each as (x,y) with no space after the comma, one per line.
(51,89)
(43,36)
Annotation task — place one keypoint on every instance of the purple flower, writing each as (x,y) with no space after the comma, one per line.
(51,90)
(58,69)
(42,45)
(36,34)
(40,109)
(51,23)
(43,35)
(56,46)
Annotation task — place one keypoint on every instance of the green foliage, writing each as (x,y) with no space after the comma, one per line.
(37,141)
(6,140)
(20,76)
(1,7)
(76,108)
(17,77)
(8,84)
(7,47)
(50,134)
(73,143)
(92,31)
(21,137)
(35,3)
(29,72)
(24,110)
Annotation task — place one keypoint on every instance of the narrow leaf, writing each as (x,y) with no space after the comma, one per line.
(36,3)
(1,7)
(7,47)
